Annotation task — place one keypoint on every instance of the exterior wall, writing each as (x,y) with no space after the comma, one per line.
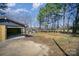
(23,31)
(2,32)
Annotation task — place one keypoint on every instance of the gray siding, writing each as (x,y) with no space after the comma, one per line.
(9,23)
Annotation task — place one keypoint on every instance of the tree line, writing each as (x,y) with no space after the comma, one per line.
(52,14)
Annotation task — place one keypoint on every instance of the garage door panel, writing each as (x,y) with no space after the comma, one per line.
(13,31)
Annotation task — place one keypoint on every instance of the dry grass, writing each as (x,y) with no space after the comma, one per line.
(66,41)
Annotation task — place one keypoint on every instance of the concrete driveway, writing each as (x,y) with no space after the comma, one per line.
(22,47)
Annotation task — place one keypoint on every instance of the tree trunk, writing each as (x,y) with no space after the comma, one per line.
(68,26)
(64,10)
(57,25)
(40,25)
(75,23)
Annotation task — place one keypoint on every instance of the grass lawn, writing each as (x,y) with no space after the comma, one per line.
(66,41)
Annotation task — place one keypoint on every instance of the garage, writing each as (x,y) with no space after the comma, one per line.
(11,28)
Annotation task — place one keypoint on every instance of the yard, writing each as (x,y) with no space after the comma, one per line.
(67,42)
(41,43)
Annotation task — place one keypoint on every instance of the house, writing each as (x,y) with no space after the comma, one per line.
(10,28)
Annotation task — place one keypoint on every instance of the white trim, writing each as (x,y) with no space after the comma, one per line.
(18,37)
